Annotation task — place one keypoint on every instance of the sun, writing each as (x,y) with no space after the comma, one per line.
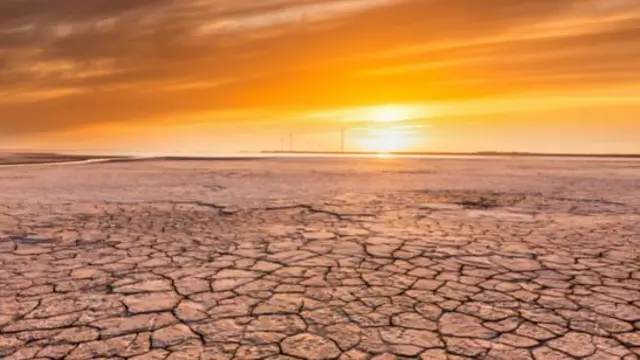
(384,140)
(388,128)
(389,141)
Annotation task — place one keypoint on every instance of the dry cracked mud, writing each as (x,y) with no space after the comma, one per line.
(235,261)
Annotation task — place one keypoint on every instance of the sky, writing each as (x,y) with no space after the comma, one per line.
(211,76)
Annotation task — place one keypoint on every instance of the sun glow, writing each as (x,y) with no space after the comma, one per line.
(388,114)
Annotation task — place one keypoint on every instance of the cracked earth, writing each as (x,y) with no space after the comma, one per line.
(318,259)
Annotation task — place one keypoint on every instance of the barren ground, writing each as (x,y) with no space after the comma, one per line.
(321,259)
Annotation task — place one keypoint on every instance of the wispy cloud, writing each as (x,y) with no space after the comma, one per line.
(306,12)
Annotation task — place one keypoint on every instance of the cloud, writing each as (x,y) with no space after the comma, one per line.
(69,63)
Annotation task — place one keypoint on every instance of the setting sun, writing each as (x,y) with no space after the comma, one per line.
(386,140)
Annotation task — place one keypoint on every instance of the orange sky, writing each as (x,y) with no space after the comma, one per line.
(198,76)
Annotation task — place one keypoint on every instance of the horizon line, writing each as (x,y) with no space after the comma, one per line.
(205,155)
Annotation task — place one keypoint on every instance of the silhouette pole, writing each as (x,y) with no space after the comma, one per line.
(292,138)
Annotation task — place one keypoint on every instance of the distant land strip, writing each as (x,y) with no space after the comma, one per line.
(479,153)
(8,159)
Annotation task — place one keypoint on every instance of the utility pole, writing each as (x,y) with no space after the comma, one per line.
(343,138)
(290,142)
